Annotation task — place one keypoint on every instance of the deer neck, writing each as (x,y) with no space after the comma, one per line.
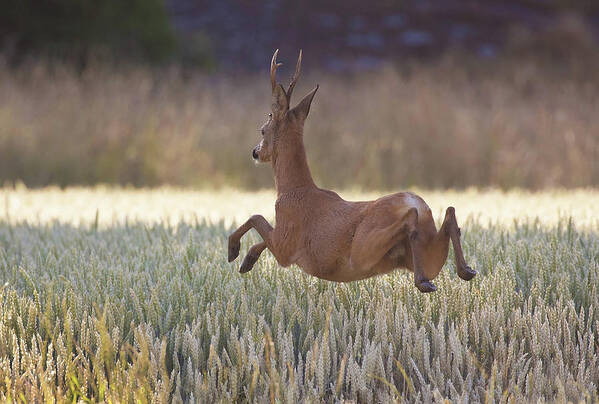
(291,166)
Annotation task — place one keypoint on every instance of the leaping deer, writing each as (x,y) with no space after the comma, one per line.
(331,238)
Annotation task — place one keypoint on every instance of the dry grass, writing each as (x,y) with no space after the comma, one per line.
(453,124)
(125,295)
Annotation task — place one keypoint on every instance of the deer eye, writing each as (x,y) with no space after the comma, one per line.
(270,114)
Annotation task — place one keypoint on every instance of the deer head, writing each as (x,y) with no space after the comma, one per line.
(282,123)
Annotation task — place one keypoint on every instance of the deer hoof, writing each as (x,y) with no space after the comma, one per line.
(426,287)
(234,247)
(466,273)
(248,263)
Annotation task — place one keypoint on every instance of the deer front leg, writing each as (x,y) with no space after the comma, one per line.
(252,256)
(450,226)
(257,222)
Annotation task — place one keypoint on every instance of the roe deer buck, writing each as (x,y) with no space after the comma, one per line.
(331,238)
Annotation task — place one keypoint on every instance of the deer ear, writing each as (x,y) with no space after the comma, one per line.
(280,103)
(301,110)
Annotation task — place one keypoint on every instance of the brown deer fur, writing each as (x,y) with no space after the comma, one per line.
(329,237)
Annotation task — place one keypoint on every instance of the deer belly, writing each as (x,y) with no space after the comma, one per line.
(398,256)
(303,260)
(335,270)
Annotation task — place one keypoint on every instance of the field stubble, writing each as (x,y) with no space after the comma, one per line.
(116,294)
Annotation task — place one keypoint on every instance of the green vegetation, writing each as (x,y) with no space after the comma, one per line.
(125,295)
(76,29)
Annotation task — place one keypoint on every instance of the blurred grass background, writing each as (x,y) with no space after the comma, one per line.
(433,126)
(118,94)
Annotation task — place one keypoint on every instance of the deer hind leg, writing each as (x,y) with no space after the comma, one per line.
(450,227)
(372,242)
(252,256)
(416,247)
(257,222)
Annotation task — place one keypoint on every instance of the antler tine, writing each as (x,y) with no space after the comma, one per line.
(273,70)
(298,69)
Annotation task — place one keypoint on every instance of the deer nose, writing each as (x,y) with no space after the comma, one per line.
(255,154)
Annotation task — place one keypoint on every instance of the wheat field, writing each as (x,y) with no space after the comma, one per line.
(124,295)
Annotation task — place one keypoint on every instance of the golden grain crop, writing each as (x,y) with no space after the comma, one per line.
(123,295)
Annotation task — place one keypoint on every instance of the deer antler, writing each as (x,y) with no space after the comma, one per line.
(298,69)
(273,70)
